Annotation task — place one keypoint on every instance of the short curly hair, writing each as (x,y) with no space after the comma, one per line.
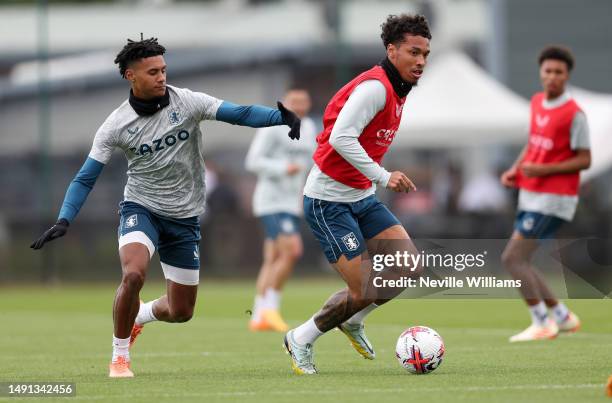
(396,26)
(136,50)
(557,52)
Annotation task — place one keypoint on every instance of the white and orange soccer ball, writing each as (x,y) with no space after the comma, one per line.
(419,350)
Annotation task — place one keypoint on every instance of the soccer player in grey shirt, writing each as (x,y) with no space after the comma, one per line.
(281,166)
(158,130)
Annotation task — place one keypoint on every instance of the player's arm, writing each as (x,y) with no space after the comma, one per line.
(508,177)
(83,182)
(75,197)
(579,141)
(259,116)
(366,100)
(206,107)
(258,160)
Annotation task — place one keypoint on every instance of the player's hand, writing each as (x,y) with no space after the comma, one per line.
(532,170)
(291,120)
(58,230)
(399,182)
(292,168)
(508,178)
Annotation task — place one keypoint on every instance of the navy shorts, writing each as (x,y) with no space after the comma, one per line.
(343,228)
(280,224)
(176,240)
(537,226)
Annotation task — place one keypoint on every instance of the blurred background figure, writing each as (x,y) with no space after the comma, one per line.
(547,174)
(281,165)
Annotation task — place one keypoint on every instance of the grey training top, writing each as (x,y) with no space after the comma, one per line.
(164,152)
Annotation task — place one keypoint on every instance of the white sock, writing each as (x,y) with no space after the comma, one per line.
(273,299)
(307,332)
(560,312)
(121,348)
(145,313)
(360,316)
(539,314)
(257,307)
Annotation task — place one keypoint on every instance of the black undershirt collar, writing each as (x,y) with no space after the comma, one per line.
(401,87)
(148,107)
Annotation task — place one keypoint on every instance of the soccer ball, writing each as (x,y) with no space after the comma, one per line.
(419,350)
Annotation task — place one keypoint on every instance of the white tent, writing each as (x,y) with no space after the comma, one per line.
(458,104)
(598,109)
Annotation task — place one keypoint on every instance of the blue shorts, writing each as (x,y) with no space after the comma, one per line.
(176,240)
(343,228)
(537,226)
(280,224)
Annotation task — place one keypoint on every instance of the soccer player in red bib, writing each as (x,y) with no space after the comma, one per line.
(547,173)
(340,206)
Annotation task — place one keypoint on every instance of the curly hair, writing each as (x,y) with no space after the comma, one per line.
(396,26)
(557,52)
(136,50)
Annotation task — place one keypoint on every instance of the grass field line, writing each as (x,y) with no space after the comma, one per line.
(487,331)
(319,391)
(497,331)
(326,352)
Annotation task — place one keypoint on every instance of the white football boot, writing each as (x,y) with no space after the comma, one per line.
(357,337)
(301,356)
(570,324)
(549,330)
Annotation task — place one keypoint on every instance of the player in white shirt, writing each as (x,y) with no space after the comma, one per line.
(158,130)
(281,166)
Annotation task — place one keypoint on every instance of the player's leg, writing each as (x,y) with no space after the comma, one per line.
(336,228)
(288,247)
(516,258)
(567,321)
(385,236)
(338,308)
(256,322)
(180,260)
(178,304)
(137,239)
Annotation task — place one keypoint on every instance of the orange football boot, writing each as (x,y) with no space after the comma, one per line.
(120,368)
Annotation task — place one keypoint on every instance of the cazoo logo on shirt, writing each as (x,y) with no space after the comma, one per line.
(160,144)
(384,137)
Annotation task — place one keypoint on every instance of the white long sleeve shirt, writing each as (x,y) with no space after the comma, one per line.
(269,156)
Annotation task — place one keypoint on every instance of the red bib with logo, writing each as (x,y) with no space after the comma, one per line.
(375,138)
(549,142)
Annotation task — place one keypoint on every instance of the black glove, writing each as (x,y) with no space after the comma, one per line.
(59,229)
(291,120)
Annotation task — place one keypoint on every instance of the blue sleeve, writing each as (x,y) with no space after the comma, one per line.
(252,115)
(79,188)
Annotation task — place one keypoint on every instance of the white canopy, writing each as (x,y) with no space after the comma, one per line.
(598,109)
(458,104)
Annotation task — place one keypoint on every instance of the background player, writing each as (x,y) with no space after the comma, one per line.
(280,165)
(547,172)
(158,130)
(360,123)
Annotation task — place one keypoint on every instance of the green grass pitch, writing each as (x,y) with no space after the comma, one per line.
(64,334)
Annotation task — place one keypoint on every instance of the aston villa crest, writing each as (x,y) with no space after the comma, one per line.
(174,116)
